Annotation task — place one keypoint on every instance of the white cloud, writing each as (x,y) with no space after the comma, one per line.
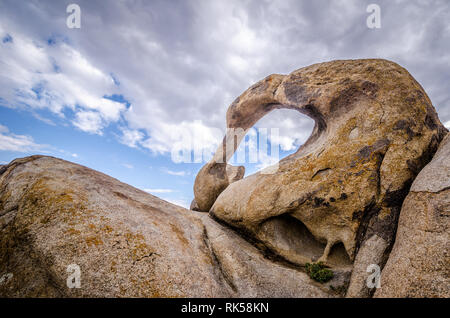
(128,166)
(185,67)
(178,201)
(293,127)
(19,143)
(447,125)
(176,173)
(37,76)
(187,136)
(181,202)
(88,121)
(68,153)
(159,190)
(3,129)
(131,138)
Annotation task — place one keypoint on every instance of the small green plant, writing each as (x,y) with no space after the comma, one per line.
(319,272)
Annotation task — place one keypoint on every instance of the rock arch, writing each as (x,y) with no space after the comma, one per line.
(375,128)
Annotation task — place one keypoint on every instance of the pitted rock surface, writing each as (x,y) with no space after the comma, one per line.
(126,242)
(337,199)
(419,264)
(375,129)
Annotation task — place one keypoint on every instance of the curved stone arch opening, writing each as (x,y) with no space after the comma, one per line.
(374,128)
(285,128)
(270,94)
(236,131)
(285,227)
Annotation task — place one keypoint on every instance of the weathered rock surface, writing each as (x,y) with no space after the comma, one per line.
(337,199)
(215,177)
(194,206)
(419,264)
(375,129)
(127,243)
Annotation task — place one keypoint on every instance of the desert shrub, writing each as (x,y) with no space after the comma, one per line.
(319,272)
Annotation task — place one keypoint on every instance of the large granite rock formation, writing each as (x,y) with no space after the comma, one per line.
(127,243)
(337,199)
(419,264)
(340,194)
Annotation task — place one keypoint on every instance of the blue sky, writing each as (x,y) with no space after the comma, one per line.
(139,76)
(103,153)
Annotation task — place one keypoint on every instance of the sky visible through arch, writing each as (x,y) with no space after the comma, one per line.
(118,93)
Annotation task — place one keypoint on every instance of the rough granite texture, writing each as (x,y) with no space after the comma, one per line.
(128,243)
(375,129)
(419,264)
(337,199)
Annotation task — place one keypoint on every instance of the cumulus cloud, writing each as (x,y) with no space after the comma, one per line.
(131,138)
(180,64)
(36,75)
(88,121)
(293,128)
(19,143)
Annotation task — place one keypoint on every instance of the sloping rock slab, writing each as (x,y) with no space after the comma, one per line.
(127,243)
